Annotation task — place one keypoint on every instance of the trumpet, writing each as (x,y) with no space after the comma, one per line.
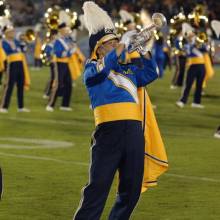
(140,39)
(30,35)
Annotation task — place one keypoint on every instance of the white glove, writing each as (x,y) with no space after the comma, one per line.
(143,50)
(126,38)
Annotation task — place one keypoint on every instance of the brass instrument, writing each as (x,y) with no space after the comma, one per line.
(199,21)
(175,29)
(137,21)
(52,22)
(198,17)
(74,20)
(29,35)
(52,18)
(120,28)
(141,38)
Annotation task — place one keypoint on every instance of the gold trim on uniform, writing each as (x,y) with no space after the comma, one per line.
(117,111)
(195,60)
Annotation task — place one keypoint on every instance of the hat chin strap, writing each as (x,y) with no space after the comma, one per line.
(104,39)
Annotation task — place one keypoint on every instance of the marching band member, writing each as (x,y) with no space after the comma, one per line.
(17,70)
(118,142)
(63,50)
(50,59)
(195,72)
(180,61)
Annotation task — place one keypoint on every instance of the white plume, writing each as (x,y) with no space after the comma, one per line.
(216,27)
(82,21)
(186,29)
(5,22)
(38,27)
(126,16)
(96,18)
(64,18)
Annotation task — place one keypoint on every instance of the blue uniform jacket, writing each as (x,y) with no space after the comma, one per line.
(109,82)
(62,48)
(12,47)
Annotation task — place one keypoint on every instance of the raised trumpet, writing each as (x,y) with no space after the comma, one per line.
(145,35)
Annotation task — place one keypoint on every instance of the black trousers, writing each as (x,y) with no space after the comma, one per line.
(15,75)
(181,73)
(49,85)
(63,85)
(178,77)
(116,146)
(37,62)
(196,73)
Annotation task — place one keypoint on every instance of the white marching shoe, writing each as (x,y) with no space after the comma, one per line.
(67,109)
(24,110)
(4,110)
(45,96)
(180,104)
(49,109)
(172,87)
(196,105)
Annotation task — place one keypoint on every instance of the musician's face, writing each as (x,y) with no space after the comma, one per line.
(131,27)
(107,47)
(10,34)
(65,31)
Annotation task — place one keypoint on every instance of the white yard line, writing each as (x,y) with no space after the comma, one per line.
(204,179)
(24,156)
(32,143)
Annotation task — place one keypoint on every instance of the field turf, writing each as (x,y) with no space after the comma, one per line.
(44,183)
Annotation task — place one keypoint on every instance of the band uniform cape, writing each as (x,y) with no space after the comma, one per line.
(155,162)
(37,49)
(2,59)
(76,62)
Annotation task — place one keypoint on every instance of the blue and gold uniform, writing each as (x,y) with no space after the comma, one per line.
(17,72)
(180,61)
(48,50)
(63,79)
(118,140)
(195,73)
(122,80)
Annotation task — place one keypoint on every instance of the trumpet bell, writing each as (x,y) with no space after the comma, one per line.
(159,20)
(30,35)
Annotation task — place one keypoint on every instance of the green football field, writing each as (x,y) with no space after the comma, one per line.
(45,157)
